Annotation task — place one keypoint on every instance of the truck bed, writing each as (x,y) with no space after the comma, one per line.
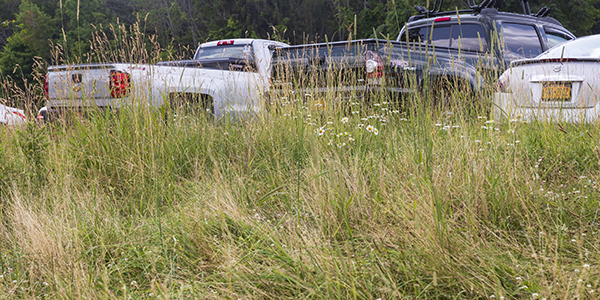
(347,67)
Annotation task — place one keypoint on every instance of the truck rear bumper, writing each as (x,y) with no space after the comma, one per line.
(51,114)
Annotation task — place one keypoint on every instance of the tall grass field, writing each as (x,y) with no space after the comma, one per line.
(346,200)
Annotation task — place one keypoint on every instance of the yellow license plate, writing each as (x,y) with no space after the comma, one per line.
(556,91)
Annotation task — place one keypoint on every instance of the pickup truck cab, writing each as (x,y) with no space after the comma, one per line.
(483,36)
(224,77)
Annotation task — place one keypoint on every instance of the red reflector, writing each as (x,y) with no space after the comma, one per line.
(20,114)
(119,84)
(442,19)
(46,87)
(224,43)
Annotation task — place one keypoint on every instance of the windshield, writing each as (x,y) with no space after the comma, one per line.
(236,52)
(586,47)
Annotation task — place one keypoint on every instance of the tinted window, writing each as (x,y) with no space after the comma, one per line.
(418,34)
(441,36)
(555,37)
(521,40)
(468,37)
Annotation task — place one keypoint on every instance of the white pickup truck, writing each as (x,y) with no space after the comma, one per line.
(224,77)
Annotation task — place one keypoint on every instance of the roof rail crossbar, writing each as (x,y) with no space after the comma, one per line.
(437,6)
(421,9)
(476,8)
(544,11)
(486,3)
(526,9)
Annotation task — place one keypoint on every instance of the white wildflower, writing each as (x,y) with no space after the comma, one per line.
(321,131)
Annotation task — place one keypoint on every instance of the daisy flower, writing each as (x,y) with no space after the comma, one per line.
(345,120)
(370,128)
(321,131)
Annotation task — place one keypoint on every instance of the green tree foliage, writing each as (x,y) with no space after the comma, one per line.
(37,28)
(32,39)
(8,10)
(78,18)
(17,58)
(234,29)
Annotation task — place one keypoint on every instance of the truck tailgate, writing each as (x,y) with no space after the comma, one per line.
(80,85)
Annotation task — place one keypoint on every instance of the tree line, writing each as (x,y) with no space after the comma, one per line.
(29,29)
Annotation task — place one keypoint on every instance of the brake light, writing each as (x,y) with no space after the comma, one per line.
(374,68)
(224,43)
(46,94)
(443,19)
(119,84)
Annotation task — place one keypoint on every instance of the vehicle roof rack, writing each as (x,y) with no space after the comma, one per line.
(437,6)
(474,8)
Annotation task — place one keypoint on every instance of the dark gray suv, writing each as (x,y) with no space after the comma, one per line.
(484,36)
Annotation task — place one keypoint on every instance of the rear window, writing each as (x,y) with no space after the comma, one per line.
(226,57)
(464,36)
(468,37)
(521,40)
(441,36)
(323,51)
(418,35)
(227,51)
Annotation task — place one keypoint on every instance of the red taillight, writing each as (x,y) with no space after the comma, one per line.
(46,94)
(374,68)
(224,43)
(444,19)
(119,84)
